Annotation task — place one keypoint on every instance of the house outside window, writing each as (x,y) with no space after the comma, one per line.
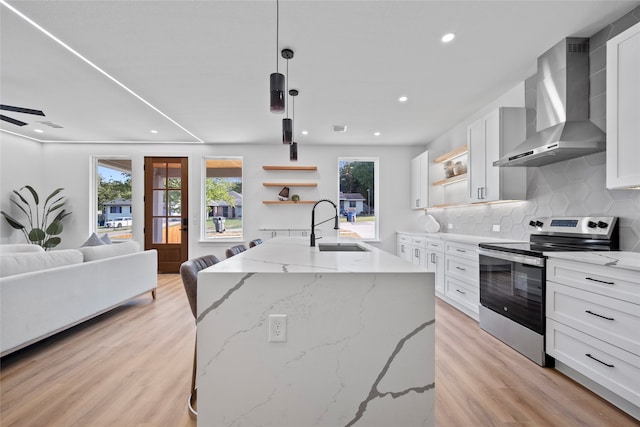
(222,198)
(111,197)
(358,195)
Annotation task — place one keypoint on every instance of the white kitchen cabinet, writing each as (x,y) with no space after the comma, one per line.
(593,319)
(270,233)
(623,109)
(487,140)
(420,181)
(461,271)
(403,250)
(435,262)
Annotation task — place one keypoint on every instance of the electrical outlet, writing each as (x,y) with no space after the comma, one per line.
(277,328)
(496,227)
(450,226)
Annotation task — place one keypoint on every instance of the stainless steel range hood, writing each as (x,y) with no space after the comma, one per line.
(562,106)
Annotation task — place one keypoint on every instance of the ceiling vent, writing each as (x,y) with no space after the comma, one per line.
(52,125)
(340,128)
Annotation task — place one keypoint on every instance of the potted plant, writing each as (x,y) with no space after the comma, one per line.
(44,225)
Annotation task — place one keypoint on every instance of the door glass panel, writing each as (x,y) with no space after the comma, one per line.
(159,202)
(159,175)
(174,232)
(159,230)
(174,202)
(174,182)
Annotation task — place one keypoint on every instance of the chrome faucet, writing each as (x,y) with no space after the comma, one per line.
(313,220)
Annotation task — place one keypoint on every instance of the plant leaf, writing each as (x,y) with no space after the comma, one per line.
(21,197)
(52,242)
(36,235)
(33,193)
(12,222)
(54,228)
(61,215)
(20,207)
(53,208)
(56,191)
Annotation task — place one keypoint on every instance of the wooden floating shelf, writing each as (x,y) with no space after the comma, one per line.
(290,184)
(288,202)
(451,154)
(290,168)
(451,180)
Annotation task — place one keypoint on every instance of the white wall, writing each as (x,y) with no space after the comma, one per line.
(69,166)
(21,163)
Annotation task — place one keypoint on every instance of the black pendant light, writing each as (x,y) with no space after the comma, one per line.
(293,147)
(276,80)
(287,123)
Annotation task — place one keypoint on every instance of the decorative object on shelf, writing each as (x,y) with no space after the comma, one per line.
(448,169)
(459,168)
(287,123)
(41,229)
(295,198)
(276,80)
(430,224)
(284,194)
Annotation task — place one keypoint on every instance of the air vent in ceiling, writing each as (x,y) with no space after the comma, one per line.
(52,125)
(340,128)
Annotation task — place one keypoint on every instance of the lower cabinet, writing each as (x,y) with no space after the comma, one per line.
(435,262)
(461,272)
(270,233)
(593,324)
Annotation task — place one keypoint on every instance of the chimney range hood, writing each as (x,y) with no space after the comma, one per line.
(562,105)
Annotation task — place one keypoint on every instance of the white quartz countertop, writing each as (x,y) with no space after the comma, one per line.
(463,238)
(618,259)
(294,255)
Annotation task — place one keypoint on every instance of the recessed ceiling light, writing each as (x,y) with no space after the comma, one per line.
(376,134)
(154,131)
(403,99)
(448,37)
(305,132)
(38,130)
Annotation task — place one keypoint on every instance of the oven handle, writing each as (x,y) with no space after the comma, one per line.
(507,256)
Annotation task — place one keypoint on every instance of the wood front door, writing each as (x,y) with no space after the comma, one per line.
(166,210)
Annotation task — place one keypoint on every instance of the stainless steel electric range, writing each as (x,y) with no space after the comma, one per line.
(512,277)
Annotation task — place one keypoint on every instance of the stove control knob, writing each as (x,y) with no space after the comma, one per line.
(592,224)
(602,224)
(532,223)
(539,223)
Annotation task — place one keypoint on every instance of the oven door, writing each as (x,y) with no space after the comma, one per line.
(513,285)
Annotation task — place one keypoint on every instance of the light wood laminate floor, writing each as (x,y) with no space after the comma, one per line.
(132,367)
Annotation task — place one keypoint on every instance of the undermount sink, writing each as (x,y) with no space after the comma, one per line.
(341,247)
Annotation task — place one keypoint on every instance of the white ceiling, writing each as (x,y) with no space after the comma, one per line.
(198,71)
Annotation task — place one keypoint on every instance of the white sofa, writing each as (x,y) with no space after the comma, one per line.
(90,281)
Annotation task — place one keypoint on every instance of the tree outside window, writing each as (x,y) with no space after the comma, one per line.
(222,198)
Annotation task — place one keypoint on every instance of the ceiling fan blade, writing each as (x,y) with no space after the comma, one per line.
(21,110)
(10,120)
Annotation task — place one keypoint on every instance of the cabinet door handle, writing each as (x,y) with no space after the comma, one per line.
(460,268)
(417,202)
(433,258)
(461,250)
(478,194)
(401,249)
(600,281)
(599,361)
(462,292)
(599,315)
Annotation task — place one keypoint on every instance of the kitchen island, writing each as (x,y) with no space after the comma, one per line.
(359,330)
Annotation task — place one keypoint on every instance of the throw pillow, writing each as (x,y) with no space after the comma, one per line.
(105,238)
(93,240)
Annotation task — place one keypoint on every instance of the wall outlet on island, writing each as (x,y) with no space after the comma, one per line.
(450,226)
(496,227)
(277,328)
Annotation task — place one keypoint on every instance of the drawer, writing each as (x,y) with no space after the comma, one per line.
(435,245)
(419,242)
(609,281)
(614,369)
(462,250)
(403,238)
(463,293)
(461,268)
(614,321)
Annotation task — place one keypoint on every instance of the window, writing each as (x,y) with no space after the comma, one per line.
(358,194)
(112,198)
(222,198)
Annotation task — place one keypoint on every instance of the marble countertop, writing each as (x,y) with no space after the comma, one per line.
(618,259)
(294,255)
(463,238)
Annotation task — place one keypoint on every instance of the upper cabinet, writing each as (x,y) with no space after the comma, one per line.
(623,109)
(488,139)
(420,181)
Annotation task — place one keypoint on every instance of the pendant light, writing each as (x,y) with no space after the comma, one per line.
(276,80)
(293,147)
(287,123)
